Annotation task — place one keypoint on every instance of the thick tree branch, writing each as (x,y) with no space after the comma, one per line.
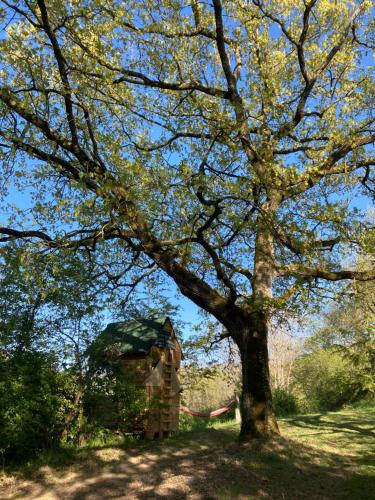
(92,236)
(62,70)
(14,234)
(137,78)
(303,272)
(304,247)
(331,167)
(220,42)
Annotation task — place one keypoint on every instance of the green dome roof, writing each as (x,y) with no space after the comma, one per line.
(134,337)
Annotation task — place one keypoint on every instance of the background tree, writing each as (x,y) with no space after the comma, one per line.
(348,329)
(284,351)
(219,143)
(48,317)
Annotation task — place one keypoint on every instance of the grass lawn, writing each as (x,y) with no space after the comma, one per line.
(319,456)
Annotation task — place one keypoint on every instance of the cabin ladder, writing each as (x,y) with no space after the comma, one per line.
(166,412)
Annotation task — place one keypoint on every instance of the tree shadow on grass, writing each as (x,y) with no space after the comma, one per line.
(206,464)
(347,423)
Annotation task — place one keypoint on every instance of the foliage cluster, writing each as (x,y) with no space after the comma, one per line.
(50,311)
(35,401)
(113,400)
(333,367)
(39,407)
(325,381)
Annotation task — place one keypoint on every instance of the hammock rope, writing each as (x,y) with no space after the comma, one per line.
(214,413)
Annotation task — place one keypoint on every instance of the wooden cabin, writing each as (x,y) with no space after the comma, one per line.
(149,351)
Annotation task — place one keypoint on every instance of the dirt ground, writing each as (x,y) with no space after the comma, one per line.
(195,471)
(209,464)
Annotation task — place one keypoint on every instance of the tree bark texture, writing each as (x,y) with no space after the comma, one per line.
(257,415)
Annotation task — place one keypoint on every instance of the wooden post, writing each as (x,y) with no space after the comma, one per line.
(237,410)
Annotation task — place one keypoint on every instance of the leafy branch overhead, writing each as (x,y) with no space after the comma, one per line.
(197,124)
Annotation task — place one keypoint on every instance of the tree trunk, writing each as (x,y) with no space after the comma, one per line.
(258,418)
(257,415)
(75,413)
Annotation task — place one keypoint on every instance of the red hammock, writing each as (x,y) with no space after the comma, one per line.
(214,413)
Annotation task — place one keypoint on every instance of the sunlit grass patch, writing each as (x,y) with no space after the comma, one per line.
(317,456)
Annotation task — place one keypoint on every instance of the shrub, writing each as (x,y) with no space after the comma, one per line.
(32,405)
(325,381)
(284,402)
(114,400)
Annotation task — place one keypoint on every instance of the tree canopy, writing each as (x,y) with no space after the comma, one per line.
(222,143)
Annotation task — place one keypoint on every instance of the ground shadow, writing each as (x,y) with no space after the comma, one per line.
(346,423)
(204,464)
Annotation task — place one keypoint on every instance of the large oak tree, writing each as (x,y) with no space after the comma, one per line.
(219,142)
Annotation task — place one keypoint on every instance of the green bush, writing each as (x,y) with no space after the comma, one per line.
(32,405)
(325,381)
(284,402)
(114,400)
(189,423)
